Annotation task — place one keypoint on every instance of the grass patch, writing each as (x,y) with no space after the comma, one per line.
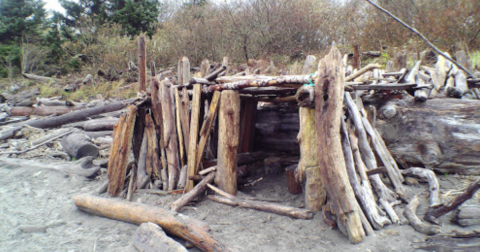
(475,60)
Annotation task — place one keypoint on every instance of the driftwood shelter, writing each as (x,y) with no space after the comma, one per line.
(347,138)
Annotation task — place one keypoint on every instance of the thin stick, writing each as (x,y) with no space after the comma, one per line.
(470,75)
(36,146)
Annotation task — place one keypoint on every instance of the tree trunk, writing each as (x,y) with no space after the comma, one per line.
(77,146)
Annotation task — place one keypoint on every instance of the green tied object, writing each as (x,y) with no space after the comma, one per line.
(310,83)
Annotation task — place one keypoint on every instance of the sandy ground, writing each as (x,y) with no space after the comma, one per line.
(38,214)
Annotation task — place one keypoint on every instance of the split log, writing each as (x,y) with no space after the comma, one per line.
(78,145)
(415,222)
(433,214)
(328,110)
(83,167)
(150,237)
(178,116)
(176,224)
(228,139)
(430,176)
(169,133)
(231,200)
(440,134)
(195,192)
(194,125)
(118,160)
(408,86)
(309,170)
(363,194)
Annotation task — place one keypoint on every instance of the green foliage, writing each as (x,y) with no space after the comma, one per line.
(20,18)
(475,58)
(136,17)
(9,60)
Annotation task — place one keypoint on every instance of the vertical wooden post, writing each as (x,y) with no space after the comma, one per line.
(328,116)
(228,126)
(185,103)
(169,133)
(356,58)
(142,63)
(247,130)
(192,145)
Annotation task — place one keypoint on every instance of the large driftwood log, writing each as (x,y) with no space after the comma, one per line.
(228,139)
(150,237)
(41,110)
(179,225)
(78,145)
(441,134)
(328,115)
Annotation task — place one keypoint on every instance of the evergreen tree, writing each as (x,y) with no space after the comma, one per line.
(20,18)
(136,17)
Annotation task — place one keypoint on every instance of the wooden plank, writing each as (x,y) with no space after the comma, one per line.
(118,160)
(157,118)
(328,115)
(178,111)
(192,151)
(153,160)
(228,127)
(169,133)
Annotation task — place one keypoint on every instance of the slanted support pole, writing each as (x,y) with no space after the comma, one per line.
(228,138)
(328,116)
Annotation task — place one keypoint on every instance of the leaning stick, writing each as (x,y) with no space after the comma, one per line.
(199,188)
(415,222)
(369,67)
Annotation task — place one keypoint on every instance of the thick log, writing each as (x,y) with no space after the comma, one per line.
(173,223)
(192,194)
(363,194)
(433,214)
(231,200)
(328,111)
(78,145)
(150,237)
(415,222)
(41,110)
(169,133)
(118,160)
(309,167)
(441,134)
(228,140)
(430,176)
(194,126)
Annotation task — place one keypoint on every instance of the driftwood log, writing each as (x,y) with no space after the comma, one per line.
(150,237)
(415,222)
(78,145)
(328,111)
(176,224)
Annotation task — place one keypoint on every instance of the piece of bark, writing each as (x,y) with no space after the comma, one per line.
(231,200)
(176,224)
(308,170)
(78,145)
(143,172)
(328,110)
(195,192)
(228,140)
(150,237)
(430,176)
(305,96)
(363,194)
(118,160)
(433,214)
(194,127)
(169,133)
(83,167)
(415,222)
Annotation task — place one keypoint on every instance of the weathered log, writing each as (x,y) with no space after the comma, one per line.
(78,145)
(228,140)
(178,120)
(194,126)
(440,134)
(41,110)
(176,224)
(118,160)
(260,82)
(142,64)
(294,187)
(363,194)
(309,168)
(142,172)
(83,167)
(328,110)
(213,75)
(369,67)
(99,125)
(157,115)
(231,200)
(97,134)
(429,175)
(39,78)
(468,215)
(150,237)
(195,192)
(433,214)
(153,160)
(169,133)
(415,222)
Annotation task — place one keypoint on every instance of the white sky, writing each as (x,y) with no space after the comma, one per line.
(53,5)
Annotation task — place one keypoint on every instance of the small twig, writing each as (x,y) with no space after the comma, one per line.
(470,75)
(36,146)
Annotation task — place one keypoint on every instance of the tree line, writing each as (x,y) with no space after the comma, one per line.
(101,34)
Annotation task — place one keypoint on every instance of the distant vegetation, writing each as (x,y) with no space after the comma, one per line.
(102,35)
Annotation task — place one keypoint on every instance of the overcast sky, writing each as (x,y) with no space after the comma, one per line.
(53,5)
